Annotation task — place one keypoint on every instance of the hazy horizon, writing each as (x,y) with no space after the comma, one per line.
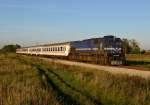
(33,22)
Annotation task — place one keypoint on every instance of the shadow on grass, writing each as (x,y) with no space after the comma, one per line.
(64,98)
(96,102)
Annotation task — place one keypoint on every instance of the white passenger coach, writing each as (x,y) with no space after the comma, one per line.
(61,49)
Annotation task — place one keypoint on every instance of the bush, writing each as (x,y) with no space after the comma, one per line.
(10,48)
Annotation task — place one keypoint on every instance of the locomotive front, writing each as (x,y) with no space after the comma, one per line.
(114,48)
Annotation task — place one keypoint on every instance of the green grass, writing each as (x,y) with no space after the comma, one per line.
(20,84)
(92,87)
(141,60)
(138,57)
(31,81)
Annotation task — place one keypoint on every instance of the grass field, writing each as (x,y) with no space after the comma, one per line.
(21,84)
(142,60)
(139,57)
(31,81)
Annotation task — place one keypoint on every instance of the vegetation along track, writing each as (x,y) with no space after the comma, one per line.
(26,80)
(47,75)
(113,70)
(74,85)
(64,98)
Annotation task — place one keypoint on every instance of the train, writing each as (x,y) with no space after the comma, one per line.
(107,50)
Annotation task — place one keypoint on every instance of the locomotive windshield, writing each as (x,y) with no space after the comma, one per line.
(112,45)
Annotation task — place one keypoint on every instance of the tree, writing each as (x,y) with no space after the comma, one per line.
(126,46)
(134,46)
(10,48)
(131,46)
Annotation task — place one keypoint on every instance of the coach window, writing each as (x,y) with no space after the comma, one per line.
(61,48)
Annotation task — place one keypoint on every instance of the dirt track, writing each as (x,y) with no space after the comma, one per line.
(114,70)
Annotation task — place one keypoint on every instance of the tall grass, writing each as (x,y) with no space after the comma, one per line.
(31,81)
(93,87)
(20,84)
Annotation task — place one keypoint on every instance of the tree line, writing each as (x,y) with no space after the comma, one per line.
(10,48)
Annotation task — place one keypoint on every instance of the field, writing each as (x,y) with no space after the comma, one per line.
(28,80)
(140,60)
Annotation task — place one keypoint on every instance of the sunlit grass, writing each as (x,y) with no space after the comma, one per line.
(20,84)
(93,87)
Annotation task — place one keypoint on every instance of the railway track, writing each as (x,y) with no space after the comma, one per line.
(113,70)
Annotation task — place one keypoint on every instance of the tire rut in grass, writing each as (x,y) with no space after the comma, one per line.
(88,97)
(65,98)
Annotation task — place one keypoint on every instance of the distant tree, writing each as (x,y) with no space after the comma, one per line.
(131,46)
(134,46)
(10,48)
(126,46)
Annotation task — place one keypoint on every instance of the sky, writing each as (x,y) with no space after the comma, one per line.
(31,22)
